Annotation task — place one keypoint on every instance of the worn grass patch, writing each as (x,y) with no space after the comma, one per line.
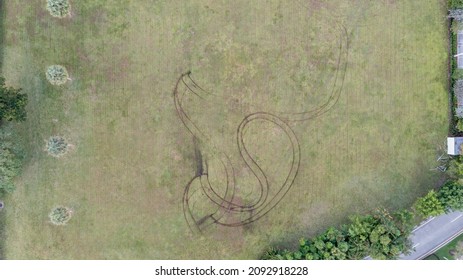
(125,181)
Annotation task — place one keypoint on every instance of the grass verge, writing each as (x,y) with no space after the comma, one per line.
(444,252)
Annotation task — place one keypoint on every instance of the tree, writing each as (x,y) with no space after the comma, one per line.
(57,146)
(456,168)
(390,235)
(404,220)
(12,103)
(429,205)
(57,75)
(451,196)
(358,233)
(60,215)
(59,8)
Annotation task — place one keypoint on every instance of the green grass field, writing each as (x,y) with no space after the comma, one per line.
(125,178)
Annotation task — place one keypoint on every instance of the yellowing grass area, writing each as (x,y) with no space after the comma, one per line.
(380,66)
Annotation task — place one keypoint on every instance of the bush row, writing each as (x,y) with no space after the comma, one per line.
(381,236)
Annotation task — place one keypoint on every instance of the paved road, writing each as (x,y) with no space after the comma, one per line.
(434,233)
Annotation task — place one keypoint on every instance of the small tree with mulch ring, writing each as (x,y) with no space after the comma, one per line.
(57,75)
(59,8)
(60,215)
(57,146)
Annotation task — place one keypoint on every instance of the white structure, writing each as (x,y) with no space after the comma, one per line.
(454,145)
(460,49)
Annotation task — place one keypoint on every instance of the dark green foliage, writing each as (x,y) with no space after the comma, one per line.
(273,254)
(429,205)
(405,220)
(382,236)
(455,4)
(10,160)
(456,168)
(460,125)
(12,103)
(451,196)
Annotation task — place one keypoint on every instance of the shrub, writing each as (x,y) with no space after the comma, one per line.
(57,75)
(451,196)
(57,146)
(12,103)
(456,168)
(459,125)
(59,8)
(455,4)
(10,160)
(429,205)
(60,215)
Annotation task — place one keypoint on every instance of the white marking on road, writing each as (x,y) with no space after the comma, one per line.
(456,218)
(423,224)
(416,245)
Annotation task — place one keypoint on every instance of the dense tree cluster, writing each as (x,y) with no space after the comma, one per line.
(381,236)
(12,108)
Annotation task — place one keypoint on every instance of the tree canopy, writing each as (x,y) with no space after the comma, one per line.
(450,196)
(429,205)
(12,103)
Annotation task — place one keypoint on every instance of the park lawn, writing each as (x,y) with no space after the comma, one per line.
(125,177)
